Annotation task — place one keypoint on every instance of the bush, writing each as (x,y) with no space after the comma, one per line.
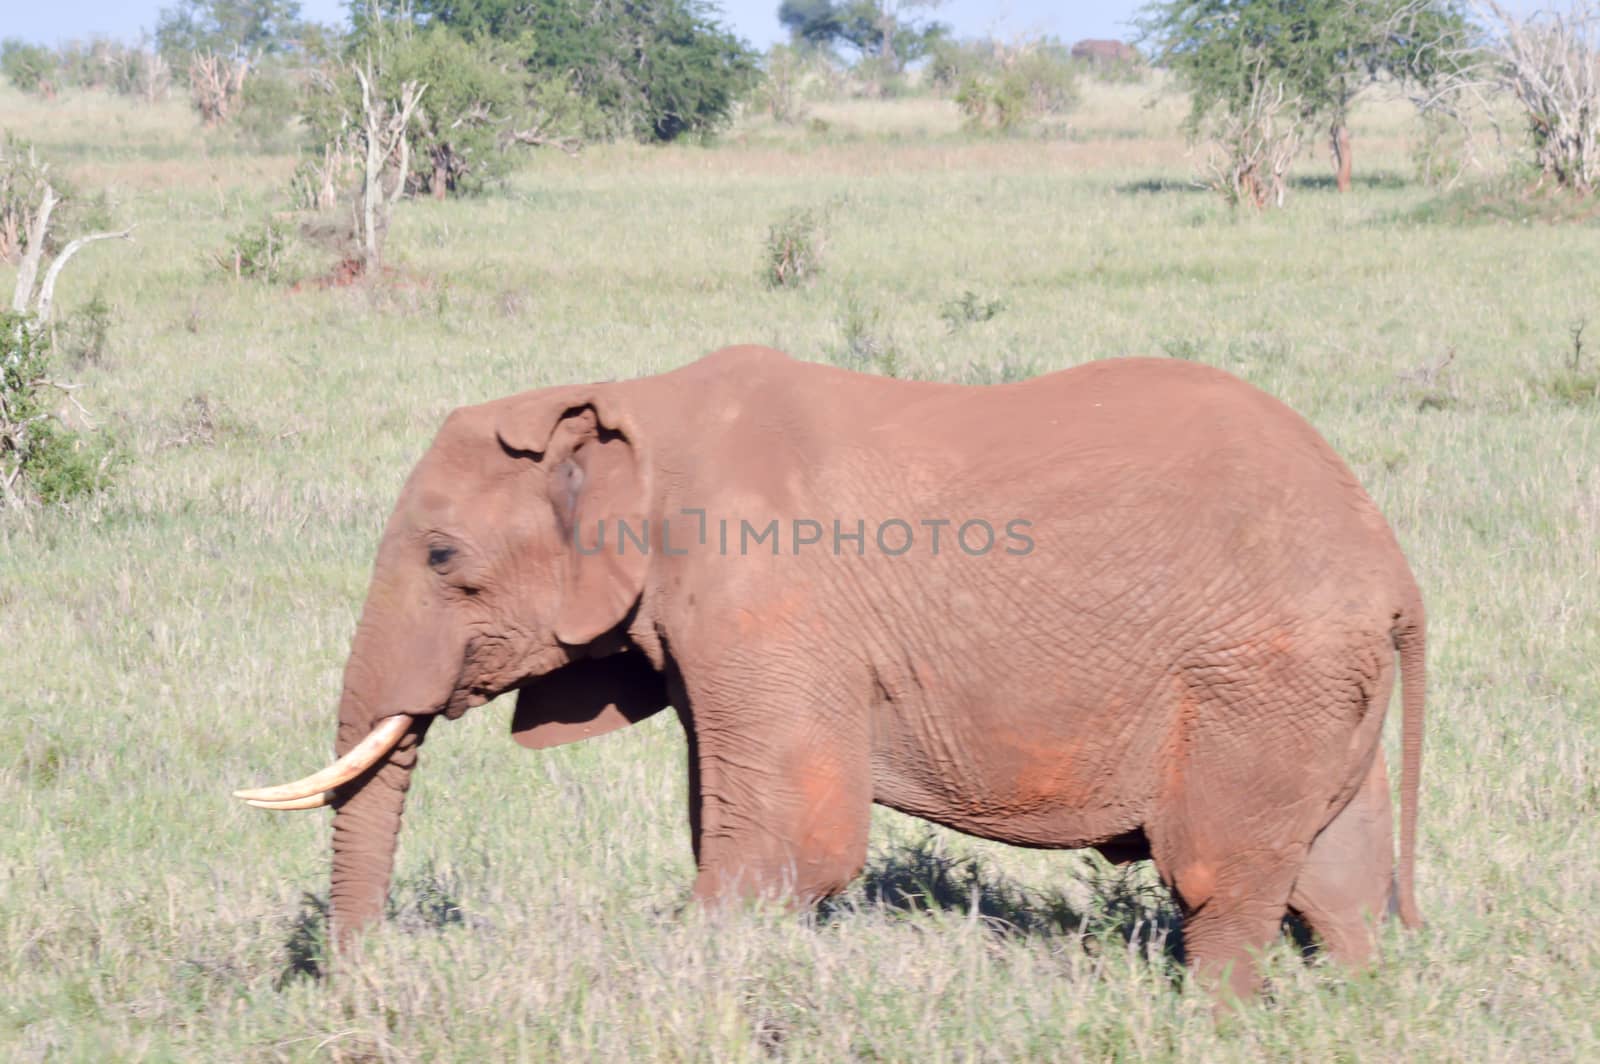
(1008,370)
(1441,150)
(794,249)
(1575,383)
(40,457)
(779,93)
(1026,84)
(970,309)
(258,252)
(655,71)
(269,103)
(142,73)
(477,103)
(84,335)
(30,67)
(474,92)
(988,103)
(952,62)
(87,64)
(864,343)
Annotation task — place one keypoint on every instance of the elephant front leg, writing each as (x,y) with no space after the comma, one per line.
(781,802)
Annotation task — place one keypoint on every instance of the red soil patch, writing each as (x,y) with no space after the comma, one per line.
(352,271)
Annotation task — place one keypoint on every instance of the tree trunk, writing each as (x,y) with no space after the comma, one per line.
(1341,154)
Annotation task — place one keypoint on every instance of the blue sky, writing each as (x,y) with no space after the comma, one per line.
(53,21)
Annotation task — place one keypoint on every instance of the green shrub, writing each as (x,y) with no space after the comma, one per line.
(794,249)
(864,343)
(654,71)
(1574,383)
(779,92)
(1028,84)
(969,309)
(1008,370)
(477,99)
(951,62)
(84,335)
(474,92)
(30,67)
(1440,152)
(1184,347)
(40,457)
(257,252)
(269,103)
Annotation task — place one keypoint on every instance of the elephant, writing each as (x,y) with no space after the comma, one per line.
(1137,605)
(1104,53)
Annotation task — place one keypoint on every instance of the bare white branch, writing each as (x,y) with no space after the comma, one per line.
(1549,62)
(47,290)
(37,226)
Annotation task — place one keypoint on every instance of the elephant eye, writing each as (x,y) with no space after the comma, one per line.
(439,556)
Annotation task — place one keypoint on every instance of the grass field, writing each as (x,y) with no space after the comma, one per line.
(184,633)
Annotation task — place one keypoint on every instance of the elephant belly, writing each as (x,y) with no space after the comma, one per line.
(1025,779)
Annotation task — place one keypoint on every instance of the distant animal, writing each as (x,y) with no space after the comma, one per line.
(1138,605)
(1106,53)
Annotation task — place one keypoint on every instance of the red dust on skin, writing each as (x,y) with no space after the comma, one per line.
(1196,882)
(1180,666)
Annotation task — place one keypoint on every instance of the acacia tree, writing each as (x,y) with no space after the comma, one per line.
(233,28)
(891,31)
(1310,59)
(656,70)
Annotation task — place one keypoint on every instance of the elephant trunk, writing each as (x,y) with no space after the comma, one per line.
(400,672)
(366,825)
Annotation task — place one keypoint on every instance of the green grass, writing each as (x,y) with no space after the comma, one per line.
(183,634)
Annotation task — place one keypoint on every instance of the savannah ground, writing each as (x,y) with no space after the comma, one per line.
(184,633)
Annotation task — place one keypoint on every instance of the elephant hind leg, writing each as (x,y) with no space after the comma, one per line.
(1345,885)
(1233,909)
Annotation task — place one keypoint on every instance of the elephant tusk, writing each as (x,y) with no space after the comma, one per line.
(315,801)
(361,757)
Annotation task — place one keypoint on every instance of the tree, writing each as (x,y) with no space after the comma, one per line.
(30,67)
(1301,61)
(654,69)
(38,454)
(231,28)
(888,30)
(1549,63)
(476,91)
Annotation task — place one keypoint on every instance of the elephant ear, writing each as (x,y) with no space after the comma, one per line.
(599,486)
(587,698)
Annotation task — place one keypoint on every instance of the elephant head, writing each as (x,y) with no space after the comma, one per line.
(481,586)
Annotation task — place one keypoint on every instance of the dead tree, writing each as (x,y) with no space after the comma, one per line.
(316,182)
(215,83)
(1249,149)
(384,146)
(31,313)
(1550,62)
(24,301)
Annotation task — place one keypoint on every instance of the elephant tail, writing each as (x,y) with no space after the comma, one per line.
(1410,640)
